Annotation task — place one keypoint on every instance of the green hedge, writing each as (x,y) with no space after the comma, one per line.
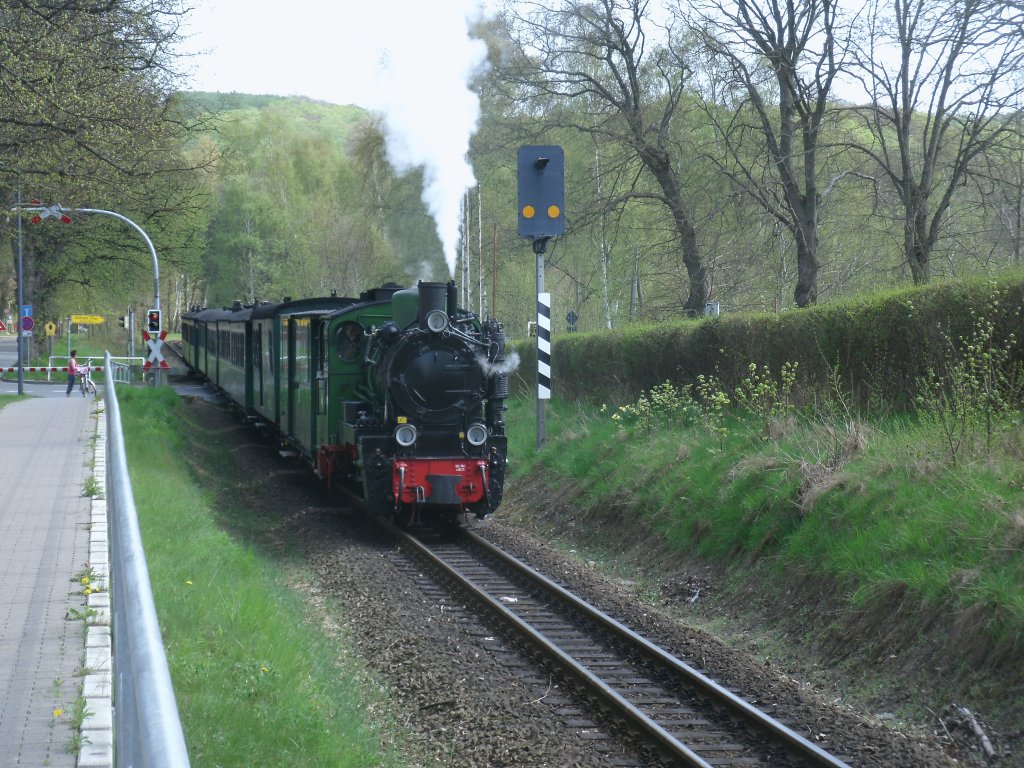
(881,345)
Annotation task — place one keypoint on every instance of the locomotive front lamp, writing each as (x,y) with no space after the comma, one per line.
(405,435)
(437,320)
(476,435)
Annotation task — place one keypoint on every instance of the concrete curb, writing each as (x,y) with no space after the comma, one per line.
(97,687)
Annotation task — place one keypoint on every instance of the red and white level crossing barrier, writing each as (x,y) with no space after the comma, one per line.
(44,369)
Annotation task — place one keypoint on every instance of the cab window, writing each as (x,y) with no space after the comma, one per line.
(350,341)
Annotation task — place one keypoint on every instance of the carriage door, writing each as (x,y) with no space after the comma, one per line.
(257,366)
(322,434)
(302,384)
(288,378)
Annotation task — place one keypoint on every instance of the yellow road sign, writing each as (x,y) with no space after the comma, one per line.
(51,329)
(86,319)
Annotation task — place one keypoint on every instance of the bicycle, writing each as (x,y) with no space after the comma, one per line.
(85,384)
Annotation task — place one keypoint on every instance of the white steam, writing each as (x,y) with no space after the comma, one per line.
(508,365)
(429,112)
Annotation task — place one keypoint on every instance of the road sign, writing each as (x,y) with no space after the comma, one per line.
(27,323)
(87,319)
(51,329)
(3,327)
(26,310)
(155,356)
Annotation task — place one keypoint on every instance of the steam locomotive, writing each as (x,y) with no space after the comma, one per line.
(397,395)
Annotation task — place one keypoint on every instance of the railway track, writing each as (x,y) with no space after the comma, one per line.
(684,715)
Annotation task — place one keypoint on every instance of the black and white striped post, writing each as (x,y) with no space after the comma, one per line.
(541,172)
(543,342)
(543,346)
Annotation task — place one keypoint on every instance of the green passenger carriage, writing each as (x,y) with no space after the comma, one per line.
(397,395)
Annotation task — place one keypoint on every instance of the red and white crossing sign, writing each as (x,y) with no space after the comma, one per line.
(3,328)
(155,356)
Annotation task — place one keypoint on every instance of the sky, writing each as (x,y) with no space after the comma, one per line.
(317,48)
(409,60)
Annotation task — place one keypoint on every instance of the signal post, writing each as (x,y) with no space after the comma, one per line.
(541,187)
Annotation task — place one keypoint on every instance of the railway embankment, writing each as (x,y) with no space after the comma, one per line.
(839,489)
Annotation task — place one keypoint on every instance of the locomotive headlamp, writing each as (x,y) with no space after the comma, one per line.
(476,435)
(405,435)
(437,320)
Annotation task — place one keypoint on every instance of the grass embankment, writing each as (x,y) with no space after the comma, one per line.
(867,539)
(256,682)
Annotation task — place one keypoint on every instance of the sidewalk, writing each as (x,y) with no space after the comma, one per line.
(45,460)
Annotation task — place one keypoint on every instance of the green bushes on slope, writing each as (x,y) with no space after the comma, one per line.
(880,345)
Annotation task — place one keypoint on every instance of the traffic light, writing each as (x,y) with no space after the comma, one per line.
(153,321)
(124,321)
(541,171)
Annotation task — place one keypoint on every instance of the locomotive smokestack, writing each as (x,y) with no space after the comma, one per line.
(453,299)
(433,296)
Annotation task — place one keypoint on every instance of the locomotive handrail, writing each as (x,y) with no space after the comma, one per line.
(147,727)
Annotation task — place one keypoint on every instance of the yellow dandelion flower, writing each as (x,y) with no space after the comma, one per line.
(58,712)
(85,579)
(87,591)
(188,582)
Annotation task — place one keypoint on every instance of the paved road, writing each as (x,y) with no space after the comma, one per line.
(8,350)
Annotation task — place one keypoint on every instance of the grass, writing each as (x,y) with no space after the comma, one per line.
(897,516)
(256,683)
(7,399)
(886,568)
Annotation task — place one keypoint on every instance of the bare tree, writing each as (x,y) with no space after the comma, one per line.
(591,66)
(941,78)
(782,54)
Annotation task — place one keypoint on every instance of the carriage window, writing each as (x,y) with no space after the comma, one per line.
(350,341)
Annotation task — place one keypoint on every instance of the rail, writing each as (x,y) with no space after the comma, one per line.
(541,629)
(147,728)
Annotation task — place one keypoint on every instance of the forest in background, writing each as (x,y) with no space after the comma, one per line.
(709,158)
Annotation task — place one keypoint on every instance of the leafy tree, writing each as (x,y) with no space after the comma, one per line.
(87,119)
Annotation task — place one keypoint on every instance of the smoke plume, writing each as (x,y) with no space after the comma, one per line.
(429,111)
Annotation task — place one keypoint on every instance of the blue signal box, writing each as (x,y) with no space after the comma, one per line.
(541,191)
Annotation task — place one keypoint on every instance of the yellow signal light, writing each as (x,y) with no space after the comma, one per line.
(554,211)
(528,212)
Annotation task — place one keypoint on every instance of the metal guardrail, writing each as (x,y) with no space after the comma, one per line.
(147,728)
